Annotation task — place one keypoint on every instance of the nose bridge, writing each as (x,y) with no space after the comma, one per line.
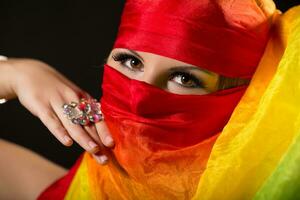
(153,75)
(141,95)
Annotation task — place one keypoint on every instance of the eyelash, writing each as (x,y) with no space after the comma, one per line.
(198,83)
(123,57)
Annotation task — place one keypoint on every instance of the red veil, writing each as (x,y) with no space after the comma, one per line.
(163,140)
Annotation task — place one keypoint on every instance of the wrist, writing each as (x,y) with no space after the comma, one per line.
(6,80)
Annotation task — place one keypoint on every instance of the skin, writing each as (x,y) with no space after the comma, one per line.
(156,70)
(43,90)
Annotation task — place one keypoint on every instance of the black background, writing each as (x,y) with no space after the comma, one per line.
(72,36)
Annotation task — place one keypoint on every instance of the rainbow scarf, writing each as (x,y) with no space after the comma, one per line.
(257,154)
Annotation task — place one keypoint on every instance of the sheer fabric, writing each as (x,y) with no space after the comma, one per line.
(256,155)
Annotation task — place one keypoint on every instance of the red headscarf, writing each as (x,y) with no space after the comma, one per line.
(163,140)
(224,36)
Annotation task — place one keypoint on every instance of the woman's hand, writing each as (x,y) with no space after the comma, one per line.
(43,91)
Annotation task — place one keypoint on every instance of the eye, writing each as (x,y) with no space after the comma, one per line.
(129,61)
(186,79)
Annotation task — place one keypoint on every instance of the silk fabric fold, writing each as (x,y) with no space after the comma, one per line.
(162,140)
(227,37)
(255,156)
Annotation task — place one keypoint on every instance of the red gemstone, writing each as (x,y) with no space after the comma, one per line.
(82,105)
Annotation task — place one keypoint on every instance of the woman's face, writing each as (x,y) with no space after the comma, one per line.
(169,74)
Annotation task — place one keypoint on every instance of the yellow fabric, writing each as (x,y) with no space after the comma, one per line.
(264,123)
(79,181)
(111,182)
(259,132)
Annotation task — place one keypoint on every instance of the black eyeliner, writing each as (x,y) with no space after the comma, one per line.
(122,57)
(199,83)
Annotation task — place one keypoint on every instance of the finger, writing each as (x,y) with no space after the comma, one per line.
(104,134)
(102,159)
(74,130)
(100,156)
(54,125)
(91,129)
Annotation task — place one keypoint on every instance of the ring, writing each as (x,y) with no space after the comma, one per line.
(84,112)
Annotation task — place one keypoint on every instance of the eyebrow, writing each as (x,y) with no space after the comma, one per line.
(187,68)
(136,54)
(178,68)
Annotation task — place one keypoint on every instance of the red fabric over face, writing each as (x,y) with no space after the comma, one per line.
(160,137)
(172,120)
(224,36)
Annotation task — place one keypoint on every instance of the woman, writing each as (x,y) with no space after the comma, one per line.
(161,100)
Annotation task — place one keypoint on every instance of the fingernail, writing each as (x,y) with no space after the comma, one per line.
(103,159)
(92,144)
(109,141)
(67,139)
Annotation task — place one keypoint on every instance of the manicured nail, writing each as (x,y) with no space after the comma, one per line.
(92,145)
(109,141)
(67,139)
(103,159)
